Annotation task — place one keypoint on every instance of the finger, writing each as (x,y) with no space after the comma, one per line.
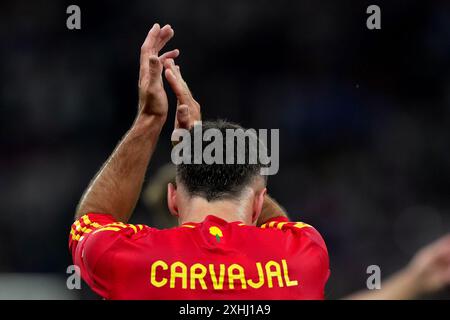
(447,277)
(177,83)
(150,41)
(180,78)
(442,243)
(155,69)
(146,50)
(169,55)
(177,70)
(183,116)
(171,79)
(165,35)
(168,63)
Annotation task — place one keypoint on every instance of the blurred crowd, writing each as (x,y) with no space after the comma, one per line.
(364,116)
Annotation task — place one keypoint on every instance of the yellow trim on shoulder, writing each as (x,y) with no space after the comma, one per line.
(96,225)
(78,230)
(301,225)
(280,225)
(77,236)
(116,224)
(86,220)
(107,229)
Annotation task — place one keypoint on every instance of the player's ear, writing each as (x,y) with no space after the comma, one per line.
(172,199)
(258,202)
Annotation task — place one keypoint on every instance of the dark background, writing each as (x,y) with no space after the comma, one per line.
(363,115)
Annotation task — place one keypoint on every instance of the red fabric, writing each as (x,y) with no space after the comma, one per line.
(209,260)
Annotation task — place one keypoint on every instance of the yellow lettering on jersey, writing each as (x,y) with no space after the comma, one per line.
(198,275)
(204,277)
(239,276)
(153,280)
(259,284)
(174,274)
(273,273)
(217,285)
(289,282)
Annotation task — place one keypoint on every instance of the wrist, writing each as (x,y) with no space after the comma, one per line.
(271,209)
(148,124)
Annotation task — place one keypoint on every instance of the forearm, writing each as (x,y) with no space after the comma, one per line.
(271,209)
(117,186)
(401,286)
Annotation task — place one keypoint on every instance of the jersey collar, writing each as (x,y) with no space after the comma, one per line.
(213,219)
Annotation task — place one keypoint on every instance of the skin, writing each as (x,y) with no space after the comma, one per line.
(116,187)
(246,209)
(428,272)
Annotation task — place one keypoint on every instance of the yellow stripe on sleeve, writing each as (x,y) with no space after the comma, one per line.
(85,225)
(301,225)
(280,225)
(133,227)
(86,220)
(107,229)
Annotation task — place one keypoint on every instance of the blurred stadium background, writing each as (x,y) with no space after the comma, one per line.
(364,119)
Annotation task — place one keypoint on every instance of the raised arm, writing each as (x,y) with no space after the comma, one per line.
(271,209)
(428,272)
(188,111)
(116,187)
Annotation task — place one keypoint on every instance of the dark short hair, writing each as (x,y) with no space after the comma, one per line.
(218,181)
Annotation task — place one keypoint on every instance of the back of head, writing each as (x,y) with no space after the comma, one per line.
(228,179)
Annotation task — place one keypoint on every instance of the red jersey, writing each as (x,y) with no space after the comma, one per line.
(213,259)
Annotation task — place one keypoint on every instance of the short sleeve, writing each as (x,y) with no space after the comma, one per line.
(93,243)
(312,253)
(298,228)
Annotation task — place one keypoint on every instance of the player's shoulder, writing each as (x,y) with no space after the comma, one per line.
(295,229)
(103,227)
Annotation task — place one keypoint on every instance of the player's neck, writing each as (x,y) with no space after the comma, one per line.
(198,209)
